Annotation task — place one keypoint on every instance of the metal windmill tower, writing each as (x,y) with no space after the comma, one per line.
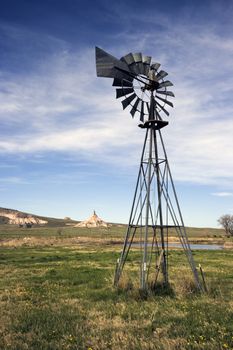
(155,209)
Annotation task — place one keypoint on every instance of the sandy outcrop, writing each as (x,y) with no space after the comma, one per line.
(16,217)
(93,221)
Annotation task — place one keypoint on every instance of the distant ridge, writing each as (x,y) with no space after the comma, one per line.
(16,217)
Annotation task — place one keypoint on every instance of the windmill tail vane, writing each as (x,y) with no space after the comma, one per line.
(155,211)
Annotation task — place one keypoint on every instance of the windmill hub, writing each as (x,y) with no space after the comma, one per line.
(152,86)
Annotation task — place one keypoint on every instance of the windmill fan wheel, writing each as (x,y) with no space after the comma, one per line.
(142,80)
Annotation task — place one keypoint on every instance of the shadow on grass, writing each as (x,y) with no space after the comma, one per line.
(128,290)
(162,289)
(180,289)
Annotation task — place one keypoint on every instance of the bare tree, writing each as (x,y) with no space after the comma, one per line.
(226,221)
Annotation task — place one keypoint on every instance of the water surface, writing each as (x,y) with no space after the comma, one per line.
(192,246)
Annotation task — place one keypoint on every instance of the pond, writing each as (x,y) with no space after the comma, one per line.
(192,246)
(198,246)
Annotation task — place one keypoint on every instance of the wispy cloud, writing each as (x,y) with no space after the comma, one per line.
(222,194)
(14,180)
(63,107)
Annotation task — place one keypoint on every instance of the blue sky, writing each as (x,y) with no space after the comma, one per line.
(66,145)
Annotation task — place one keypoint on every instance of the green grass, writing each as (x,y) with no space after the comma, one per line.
(113,232)
(61,297)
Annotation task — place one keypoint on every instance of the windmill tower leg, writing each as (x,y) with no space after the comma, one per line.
(179,222)
(148,185)
(159,187)
(131,229)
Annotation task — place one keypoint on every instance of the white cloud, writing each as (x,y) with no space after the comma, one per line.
(13,180)
(222,194)
(64,107)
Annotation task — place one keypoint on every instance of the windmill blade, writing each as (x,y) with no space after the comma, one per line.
(134,108)
(146,68)
(161,74)
(138,66)
(163,109)
(165,101)
(127,101)
(146,59)
(142,112)
(131,61)
(151,75)
(146,63)
(141,68)
(155,66)
(128,59)
(168,93)
(106,65)
(137,57)
(165,84)
(123,92)
(122,82)
(135,68)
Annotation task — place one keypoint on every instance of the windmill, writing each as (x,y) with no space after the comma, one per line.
(141,86)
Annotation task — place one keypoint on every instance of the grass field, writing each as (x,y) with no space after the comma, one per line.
(56,293)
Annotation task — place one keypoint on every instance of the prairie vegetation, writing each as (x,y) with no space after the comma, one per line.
(57,293)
